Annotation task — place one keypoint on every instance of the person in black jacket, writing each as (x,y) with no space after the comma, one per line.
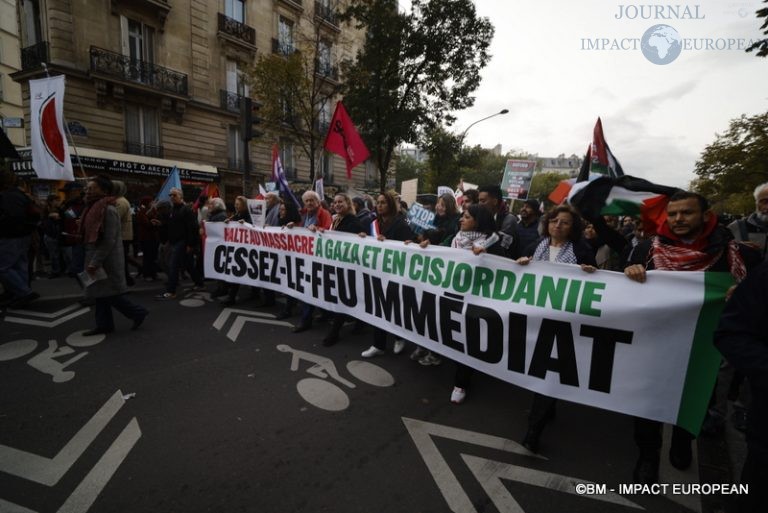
(391,225)
(183,237)
(742,337)
(18,219)
(563,243)
(691,240)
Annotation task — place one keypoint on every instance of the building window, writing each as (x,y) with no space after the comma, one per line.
(236,79)
(235,9)
(285,36)
(324,58)
(326,168)
(371,176)
(286,158)
(32,32)
(234,147)
(142,133)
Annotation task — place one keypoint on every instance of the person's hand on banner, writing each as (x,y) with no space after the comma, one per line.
(289,225)
(381,238)
(523,260)
(588,268)
(636,273)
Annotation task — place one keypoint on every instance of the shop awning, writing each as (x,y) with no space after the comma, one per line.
(100,161)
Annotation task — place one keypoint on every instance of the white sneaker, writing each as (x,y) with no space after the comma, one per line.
(399,346)
(458,395)
(430,359)
(418,353)
(371,352)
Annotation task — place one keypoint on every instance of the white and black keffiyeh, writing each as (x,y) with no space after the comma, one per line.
(565,256)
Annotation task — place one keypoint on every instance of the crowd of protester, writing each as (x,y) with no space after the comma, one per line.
(97,236)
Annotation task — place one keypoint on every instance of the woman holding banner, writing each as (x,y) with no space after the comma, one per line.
(390,223)
(564,244)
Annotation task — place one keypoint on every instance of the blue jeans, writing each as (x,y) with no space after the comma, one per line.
(103,309)
(180,258)
(14,268)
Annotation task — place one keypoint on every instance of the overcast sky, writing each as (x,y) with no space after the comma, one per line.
(657,119)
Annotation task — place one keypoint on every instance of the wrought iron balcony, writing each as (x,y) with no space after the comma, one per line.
(33,56)
(235,29)
(124,68)
(326,70)
(283,47)
(230,101)
(326,13)
(139,148)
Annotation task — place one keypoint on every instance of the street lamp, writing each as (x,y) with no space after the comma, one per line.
(464,133)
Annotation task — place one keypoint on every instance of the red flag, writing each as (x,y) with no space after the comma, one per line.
(343,139)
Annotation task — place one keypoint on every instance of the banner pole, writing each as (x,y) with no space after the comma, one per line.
(66,128)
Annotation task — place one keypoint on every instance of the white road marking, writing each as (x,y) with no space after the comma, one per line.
(323,394)
(370,373)
(224,315)
(86,492)
(16,349)
(48,471)
(12,507)
(490,473)
(47,324)
(77,339)
(44,315)
(237,326)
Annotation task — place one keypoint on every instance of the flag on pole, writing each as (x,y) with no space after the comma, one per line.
(343,139)
(173,181)
(602,160)
(50,151)
(278,175)
(319,188)
(623,196)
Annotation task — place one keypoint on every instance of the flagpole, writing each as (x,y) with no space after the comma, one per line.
(66,128)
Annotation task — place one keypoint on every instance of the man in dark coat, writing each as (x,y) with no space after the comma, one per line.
(490,197)
(691,240)
(18,219)
(528,227)
(104,259)
(754,229)
(742,337)
(183,237)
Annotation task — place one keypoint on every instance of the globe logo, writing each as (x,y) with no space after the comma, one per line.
(661,44)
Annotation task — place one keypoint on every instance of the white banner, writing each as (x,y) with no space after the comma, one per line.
(598,339)
(50,151)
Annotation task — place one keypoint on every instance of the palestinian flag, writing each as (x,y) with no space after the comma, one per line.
(622,196)
(601,159)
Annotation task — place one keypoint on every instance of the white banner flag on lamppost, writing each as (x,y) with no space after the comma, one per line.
(50,151)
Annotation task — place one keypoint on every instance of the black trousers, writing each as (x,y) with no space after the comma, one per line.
(103,309)
(648,437)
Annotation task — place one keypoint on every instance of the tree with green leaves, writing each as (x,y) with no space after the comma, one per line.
(408,168)
(296,87)
(730,168)
(761,45)
(413,70)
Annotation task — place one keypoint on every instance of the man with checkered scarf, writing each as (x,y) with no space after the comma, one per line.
(690,240)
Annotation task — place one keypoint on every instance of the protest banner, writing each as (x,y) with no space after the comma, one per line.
(598,339)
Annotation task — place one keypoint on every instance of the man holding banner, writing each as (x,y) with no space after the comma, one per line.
(691,240)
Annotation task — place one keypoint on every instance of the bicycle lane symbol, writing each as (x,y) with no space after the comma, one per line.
(324,394)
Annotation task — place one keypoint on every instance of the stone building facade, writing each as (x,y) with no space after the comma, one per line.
(157,83)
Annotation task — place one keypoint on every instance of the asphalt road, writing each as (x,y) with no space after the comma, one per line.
(212,409)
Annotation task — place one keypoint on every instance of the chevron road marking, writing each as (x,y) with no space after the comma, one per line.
(87,491)
(10,507)
(240,320)
(237,326)
(224,315)
(490,473)
(44,315)
(48,471)
(47,324)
